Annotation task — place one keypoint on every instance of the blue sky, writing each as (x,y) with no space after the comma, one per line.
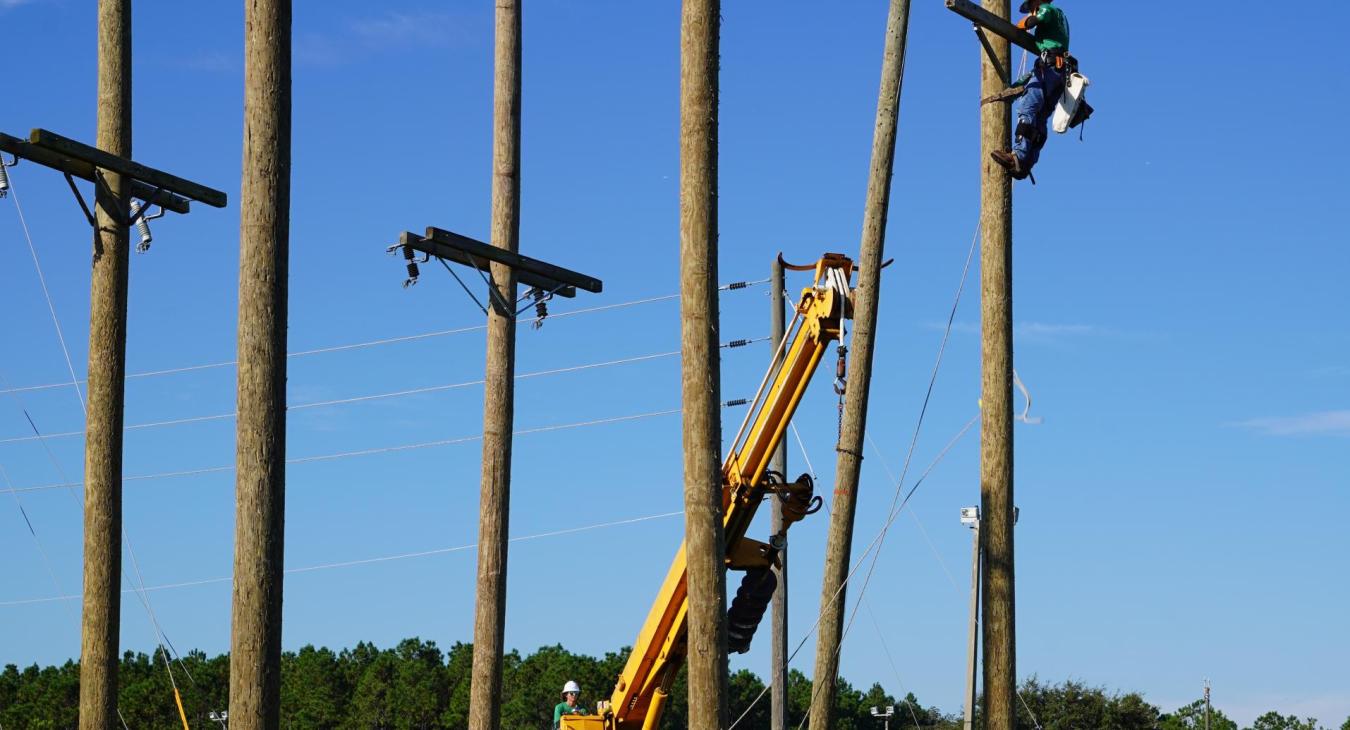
(1180,300)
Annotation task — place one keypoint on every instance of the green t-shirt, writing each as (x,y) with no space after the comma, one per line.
(1052,29)
(562,708)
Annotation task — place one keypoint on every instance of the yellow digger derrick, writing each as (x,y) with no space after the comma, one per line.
(642,688)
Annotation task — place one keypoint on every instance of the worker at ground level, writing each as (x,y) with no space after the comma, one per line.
(571,694)
(1044,85)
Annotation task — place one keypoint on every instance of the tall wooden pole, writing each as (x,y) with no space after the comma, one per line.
(866,300)
(102,606)
(499,397)
(778,676)
(996,424)
(700,30)
(260,440)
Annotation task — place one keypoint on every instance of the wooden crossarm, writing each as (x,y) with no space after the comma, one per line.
(978,15)
(85,171)
(522,264)
(107,161)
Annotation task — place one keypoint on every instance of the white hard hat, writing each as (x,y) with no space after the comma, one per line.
(571,686)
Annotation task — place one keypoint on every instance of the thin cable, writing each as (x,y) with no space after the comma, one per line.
(371,561)
(380,449)
(805,456)
(46,560)
(387,340)
(392,394)
(914,440)
(162,638)
(862,558)
(74,380)
(889,660)
(885,465)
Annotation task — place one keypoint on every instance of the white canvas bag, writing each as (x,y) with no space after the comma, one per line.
(1074,87)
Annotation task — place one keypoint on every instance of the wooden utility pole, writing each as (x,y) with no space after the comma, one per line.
(866,300)
(996,424)
(778,674)
(260,440)
(102,607)
(499,391)
(700,29)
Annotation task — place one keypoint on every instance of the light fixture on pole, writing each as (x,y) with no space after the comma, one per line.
(219,717)
(884,715)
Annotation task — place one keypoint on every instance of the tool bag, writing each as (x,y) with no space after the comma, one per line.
(1072,108)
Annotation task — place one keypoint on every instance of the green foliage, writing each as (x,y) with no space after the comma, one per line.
(1076,705)
(1276,721)
(416,686)
(1192,717)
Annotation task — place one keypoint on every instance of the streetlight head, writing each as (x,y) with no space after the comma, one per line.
(970,516)
(875,713)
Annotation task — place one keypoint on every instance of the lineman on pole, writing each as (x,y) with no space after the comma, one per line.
(1042,86)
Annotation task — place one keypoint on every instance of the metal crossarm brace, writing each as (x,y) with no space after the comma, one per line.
(72,167)
(993,57)
(978,15)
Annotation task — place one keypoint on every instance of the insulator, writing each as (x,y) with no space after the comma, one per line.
(413,273)
(736,402)
(540,308)
(737,285)
(738,343)
(747,609)
(4,179)
(142,227)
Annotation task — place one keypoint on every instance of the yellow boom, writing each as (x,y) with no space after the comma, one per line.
(640,693)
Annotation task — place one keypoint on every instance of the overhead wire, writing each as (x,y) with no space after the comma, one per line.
(391,394)
(732,286)
(862,558)
(811,470)
(896,505)
(899,683)
(914,440)
(79,395)
(387,449)
(375,560)
(46,294)
(42,550)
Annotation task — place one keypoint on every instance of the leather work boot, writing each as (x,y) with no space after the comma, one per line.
(1009,162)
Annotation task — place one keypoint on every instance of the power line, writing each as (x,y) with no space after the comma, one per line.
(866,551)
(42,279)
(371,561)
(385,449)
(391,394)
(896,505)
(382,341)
(74,382)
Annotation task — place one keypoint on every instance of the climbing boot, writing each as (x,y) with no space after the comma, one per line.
(1009,162)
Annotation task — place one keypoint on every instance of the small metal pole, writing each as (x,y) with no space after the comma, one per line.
(971,517)
(778,708)
(1206,704)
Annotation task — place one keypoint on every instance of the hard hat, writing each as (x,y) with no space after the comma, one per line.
(571,686)
(1026,7)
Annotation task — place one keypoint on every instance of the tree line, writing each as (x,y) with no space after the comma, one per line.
(417,686)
